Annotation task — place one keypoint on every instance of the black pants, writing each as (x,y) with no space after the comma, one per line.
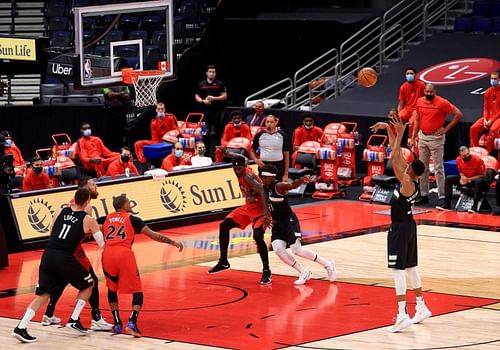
(480,186)
(213,120)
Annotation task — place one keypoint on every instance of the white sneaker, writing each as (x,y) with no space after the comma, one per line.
(421,313)
(47,321)
(331,271)
(101,325)
(303,278)
(402,321)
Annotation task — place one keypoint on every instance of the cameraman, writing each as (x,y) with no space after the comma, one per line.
(6,167)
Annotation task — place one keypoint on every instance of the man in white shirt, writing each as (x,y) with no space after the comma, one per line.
(199,159)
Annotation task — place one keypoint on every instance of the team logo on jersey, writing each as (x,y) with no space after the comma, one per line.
(40,215)
(172,196)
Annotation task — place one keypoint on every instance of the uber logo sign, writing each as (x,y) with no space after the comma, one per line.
(59,69)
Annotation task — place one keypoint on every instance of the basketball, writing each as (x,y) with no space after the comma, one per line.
(367,77)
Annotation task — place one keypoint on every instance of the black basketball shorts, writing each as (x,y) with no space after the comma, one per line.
(286,229)
(402,245)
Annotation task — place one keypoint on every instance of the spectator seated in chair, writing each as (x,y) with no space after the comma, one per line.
(199,159)
(35,178)
(306,132)
(123,165)
(160,125)
(235,128)
(92,152)
(177,159)
(256,118)
(11,148)
(472,175)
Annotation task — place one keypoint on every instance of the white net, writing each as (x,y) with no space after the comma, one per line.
(145,89)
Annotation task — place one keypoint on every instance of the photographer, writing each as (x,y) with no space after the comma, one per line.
(6,168)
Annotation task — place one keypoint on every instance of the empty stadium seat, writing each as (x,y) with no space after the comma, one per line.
(127,51)
(102,50)
(481,8)
(151,23)
(151,56)
(56,8)
(80,3)
(138,34)
(51,93)
(463,24)
(128,23)
(58,24)
(496,8)
(60,39)
(113,35)
(482,24)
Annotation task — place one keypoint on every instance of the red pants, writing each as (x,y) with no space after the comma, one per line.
(102,167)
(478,128)
(139,149)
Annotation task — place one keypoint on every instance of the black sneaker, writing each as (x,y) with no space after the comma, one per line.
(221,266)
(23,335)
(77,326)
(422,200)
(266,278)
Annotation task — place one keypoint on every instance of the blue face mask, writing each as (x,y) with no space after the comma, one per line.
(237,125)
(87,132)
(179,153)
(410,77)
(160,115)
(8,143)
(493,82)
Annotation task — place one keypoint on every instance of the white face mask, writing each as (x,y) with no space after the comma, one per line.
(87,132)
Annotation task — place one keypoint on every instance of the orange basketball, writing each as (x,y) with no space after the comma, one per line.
(367,77)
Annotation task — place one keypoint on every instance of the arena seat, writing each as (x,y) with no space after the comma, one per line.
(482,25)
(463,24)
(481,8)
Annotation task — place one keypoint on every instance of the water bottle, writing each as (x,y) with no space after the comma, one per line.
(127,172)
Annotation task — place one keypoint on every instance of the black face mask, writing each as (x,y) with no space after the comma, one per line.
(429,97)
(467,159)
(37,169)
(125,158)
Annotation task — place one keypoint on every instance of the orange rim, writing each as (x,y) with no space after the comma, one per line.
(129,74)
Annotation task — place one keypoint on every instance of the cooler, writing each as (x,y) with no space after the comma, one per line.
(158,150)
(450,167)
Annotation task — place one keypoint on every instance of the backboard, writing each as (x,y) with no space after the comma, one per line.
(109,38)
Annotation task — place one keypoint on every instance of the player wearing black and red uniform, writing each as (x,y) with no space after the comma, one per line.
(254,212)
(118,260)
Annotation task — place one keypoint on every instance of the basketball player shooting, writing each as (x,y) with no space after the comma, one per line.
(402,237)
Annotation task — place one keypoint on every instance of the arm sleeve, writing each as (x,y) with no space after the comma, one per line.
(255,143)
(104,150)
(286,141)
(137,223)
(82,153)
(401,97)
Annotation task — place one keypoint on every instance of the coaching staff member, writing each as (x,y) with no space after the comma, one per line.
(430,115)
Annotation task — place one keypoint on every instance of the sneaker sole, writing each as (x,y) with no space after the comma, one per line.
(133,333)
(18,337)
(426,316)
(82,332)
(214,272)
(101,328)
(393,329)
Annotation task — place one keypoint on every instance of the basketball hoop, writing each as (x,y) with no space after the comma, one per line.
(146,83)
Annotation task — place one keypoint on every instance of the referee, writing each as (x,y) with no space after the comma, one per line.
(273,147)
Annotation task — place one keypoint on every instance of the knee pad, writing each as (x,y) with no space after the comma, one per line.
(112,296)
(137,298)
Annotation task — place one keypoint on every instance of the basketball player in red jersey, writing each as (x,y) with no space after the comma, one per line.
(118,260)
(254,212)
(98,322)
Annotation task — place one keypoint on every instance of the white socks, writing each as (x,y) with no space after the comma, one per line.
(28,315)
(80,303)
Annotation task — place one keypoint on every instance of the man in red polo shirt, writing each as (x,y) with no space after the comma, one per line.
(490,121)
(160,124)
(176,158)
(35,178)
(119,166)
(472,172)
(235,128)
(430,116)
(306,132)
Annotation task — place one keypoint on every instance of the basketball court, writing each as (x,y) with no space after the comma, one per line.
(186,308)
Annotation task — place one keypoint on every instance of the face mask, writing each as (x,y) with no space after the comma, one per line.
(8,143)
(179,153)
(308,127)
(259,110)
(201,152)
(410,77)
(494,82)
(237,125)
(37,169)
(87,132)
(429,97)
(160,115)
(467,159)
(125,158)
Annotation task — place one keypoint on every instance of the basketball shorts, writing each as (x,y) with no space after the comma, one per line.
(120,269)
(60,268)
(246,215)
(402,245)
(82,257)
(286,229)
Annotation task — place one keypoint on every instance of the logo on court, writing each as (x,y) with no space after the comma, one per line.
(172,196)
(40,215)
(459,71)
